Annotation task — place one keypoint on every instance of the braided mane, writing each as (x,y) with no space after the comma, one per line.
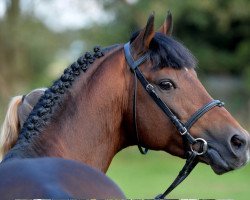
(44,109)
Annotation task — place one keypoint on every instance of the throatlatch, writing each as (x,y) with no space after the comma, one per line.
(183,128)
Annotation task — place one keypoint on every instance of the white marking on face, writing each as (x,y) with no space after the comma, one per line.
(186,69)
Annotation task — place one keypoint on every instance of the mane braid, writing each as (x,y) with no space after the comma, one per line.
(43,110)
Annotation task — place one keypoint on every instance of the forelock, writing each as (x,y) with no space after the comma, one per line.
(165,51)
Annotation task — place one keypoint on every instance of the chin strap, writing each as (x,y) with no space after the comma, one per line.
(142,150)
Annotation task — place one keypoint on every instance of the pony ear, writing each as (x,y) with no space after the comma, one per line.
(167,26)
(142,41)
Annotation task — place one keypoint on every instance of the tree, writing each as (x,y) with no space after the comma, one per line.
(26,51)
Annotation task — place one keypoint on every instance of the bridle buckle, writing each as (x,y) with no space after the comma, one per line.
(149,87)
(184,132)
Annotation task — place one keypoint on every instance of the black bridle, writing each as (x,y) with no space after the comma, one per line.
(183,128)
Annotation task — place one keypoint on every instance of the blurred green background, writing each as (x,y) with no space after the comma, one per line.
(39,38)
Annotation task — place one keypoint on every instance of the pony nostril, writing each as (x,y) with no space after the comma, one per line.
(237,142)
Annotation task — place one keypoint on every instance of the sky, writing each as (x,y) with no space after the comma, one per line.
(61,15)
(2,8)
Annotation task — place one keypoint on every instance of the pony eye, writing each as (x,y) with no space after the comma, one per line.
(166,85)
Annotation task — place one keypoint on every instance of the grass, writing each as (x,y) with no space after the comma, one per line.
(146,176)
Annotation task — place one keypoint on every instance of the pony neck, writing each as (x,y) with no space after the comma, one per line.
(90,126)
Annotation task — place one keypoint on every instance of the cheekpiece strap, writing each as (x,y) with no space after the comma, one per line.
(130,60)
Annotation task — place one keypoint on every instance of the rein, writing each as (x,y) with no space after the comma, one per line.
(183,128)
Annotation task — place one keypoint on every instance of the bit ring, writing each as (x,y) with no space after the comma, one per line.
(204,146)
